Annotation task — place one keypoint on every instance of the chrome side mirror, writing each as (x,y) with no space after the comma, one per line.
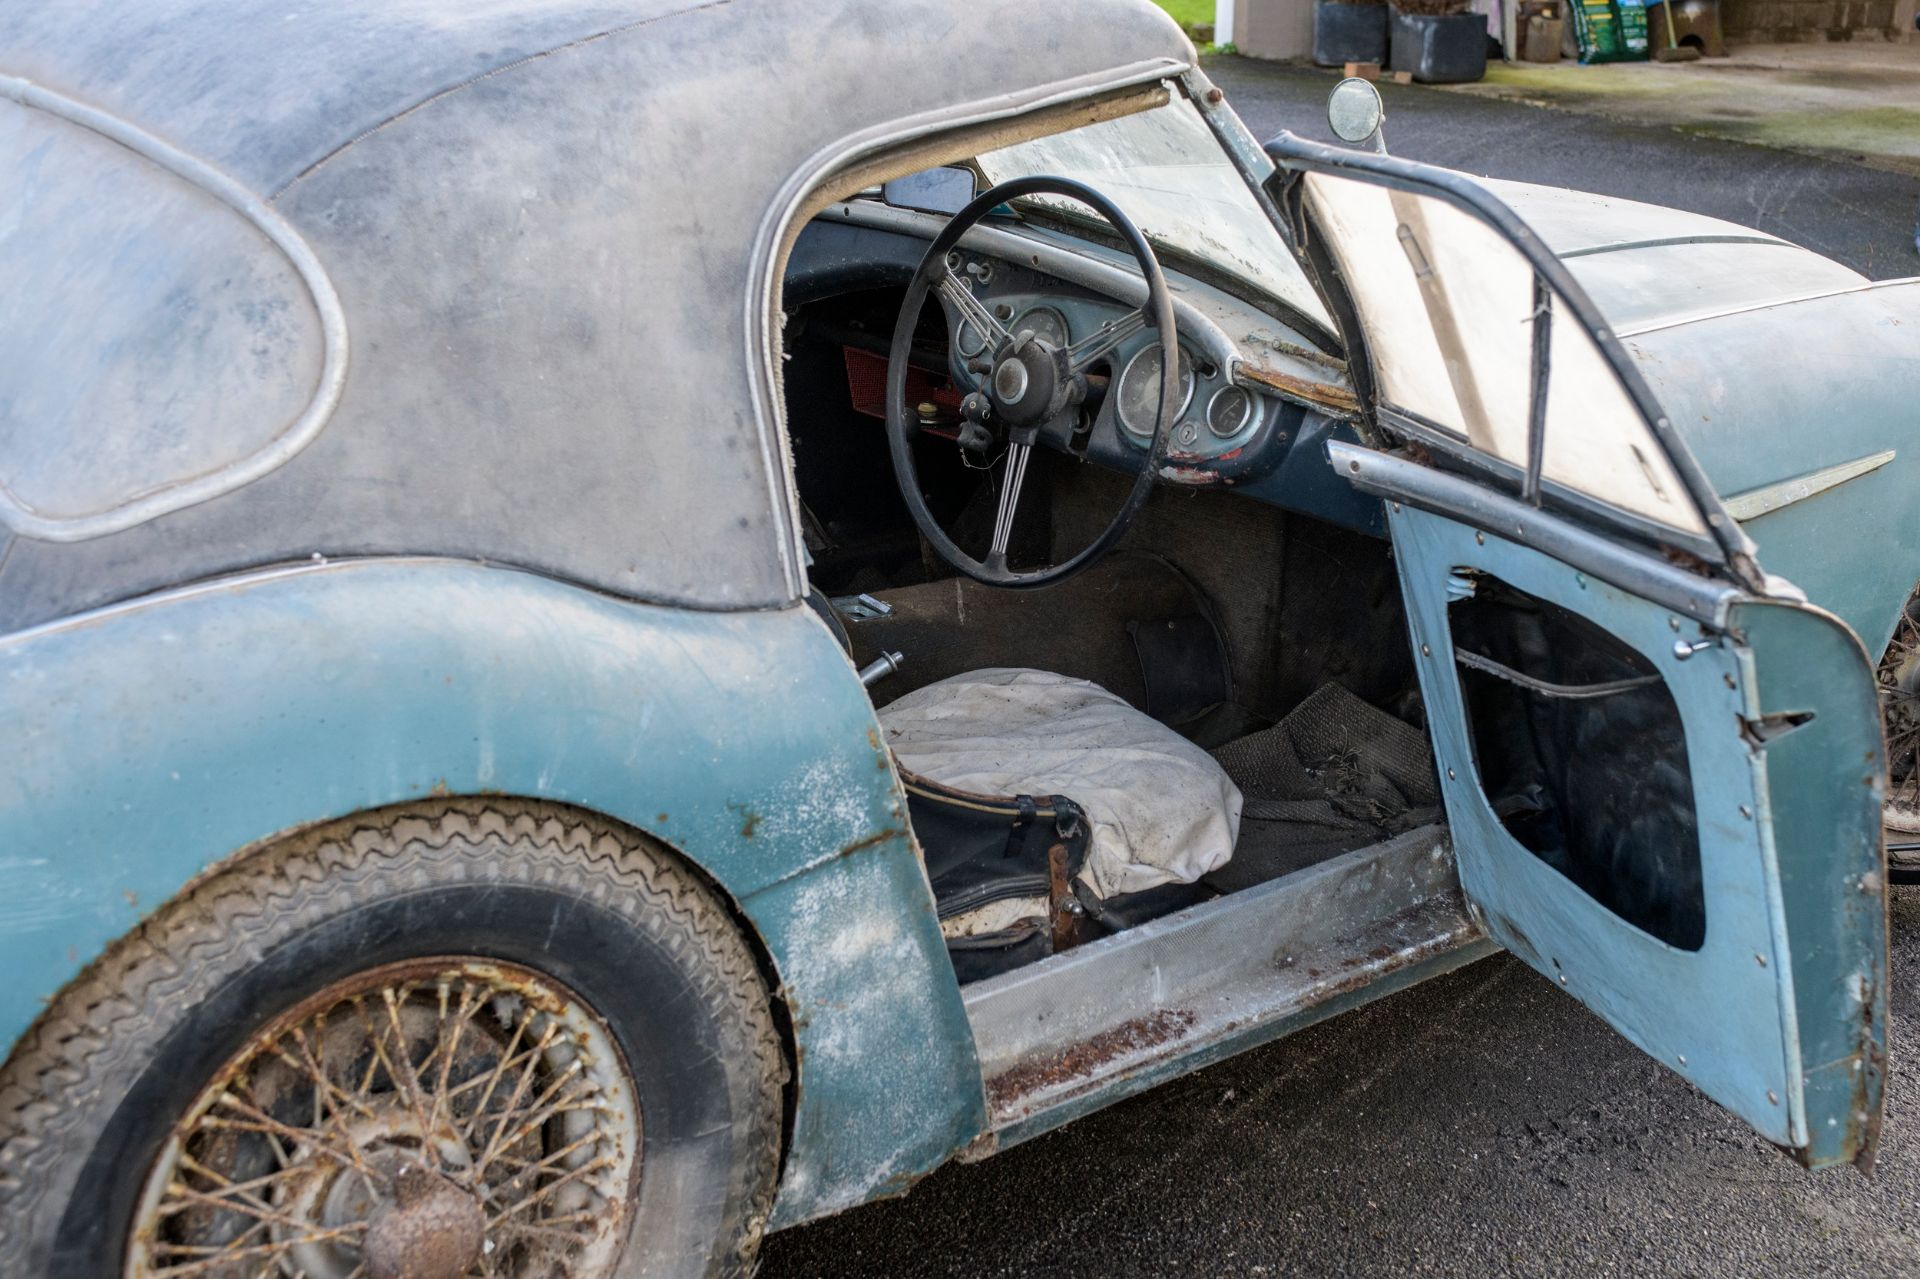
(1355,112)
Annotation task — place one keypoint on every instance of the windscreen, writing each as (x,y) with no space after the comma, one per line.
(1165,168)
(1448,308)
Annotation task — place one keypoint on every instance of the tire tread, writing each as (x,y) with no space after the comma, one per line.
(88,1042)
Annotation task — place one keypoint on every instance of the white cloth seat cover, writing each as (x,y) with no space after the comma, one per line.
(1162,810)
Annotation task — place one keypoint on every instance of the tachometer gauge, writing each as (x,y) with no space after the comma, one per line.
(1140,390)
(1046,323)
(1229,411)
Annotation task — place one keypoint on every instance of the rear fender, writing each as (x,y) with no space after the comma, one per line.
(148,741)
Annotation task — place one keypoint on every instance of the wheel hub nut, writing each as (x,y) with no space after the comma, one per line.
(431,1229)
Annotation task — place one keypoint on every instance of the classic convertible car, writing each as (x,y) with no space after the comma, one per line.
(626,625)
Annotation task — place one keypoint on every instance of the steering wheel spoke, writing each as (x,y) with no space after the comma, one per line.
(959,295)
(1088,350)
(1016,478)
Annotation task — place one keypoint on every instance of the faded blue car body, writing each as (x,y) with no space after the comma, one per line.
(568,567)
(1777,365)
(1795,1065)
(433,238)
(222,715)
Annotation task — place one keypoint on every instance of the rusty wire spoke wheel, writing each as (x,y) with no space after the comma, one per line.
(480,1038)
(430,1119)
(1899,682)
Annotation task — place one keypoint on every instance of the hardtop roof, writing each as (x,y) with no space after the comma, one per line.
(268,89)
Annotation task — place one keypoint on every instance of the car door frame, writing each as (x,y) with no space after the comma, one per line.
(1726,545)
(1831,1028)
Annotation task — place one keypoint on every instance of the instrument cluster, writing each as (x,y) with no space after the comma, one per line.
(1218,416)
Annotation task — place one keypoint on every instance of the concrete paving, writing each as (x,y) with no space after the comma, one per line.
(1480,1125)
(1856,101)
(1483,1124)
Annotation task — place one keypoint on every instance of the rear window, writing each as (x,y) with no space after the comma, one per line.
(157,345)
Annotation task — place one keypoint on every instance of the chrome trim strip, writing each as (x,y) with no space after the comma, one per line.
(1673,241)
(1570,500)
(240,580)
(1744,309)
(1422,487)
(1754,503)
(21,518)
(234,582)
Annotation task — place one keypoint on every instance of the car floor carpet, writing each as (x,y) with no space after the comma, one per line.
(1334,775)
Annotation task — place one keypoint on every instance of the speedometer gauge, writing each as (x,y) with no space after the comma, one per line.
(1140,390)
(1046,324)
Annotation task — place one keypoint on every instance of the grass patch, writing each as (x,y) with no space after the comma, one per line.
(1189,13)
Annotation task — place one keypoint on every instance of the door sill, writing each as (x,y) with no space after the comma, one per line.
(1083,1029)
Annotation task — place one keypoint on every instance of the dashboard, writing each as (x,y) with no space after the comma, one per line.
(1258,398)
(1221,424)
(1246,380)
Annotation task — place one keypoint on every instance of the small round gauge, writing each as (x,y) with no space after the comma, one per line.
(1229,411)
(970,340)
(1046,323)
(1139,390)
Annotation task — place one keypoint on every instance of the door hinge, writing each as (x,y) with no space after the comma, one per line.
(1767,728)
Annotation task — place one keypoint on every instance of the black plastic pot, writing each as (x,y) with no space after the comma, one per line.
(1344,33)
(1446,48)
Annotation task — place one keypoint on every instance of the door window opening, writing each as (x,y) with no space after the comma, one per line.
(1581,753)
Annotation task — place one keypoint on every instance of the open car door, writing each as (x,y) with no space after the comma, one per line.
(1662,769)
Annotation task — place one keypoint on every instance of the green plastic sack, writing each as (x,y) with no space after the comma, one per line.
(1633,28)
(1610,30)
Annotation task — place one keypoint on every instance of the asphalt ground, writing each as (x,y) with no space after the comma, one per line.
(1482,1124)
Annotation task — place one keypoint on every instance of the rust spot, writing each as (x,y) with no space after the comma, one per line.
(660,817)
(896,1185)
(979,1148)
(1684,559)
(749,820)
(1324,394)
(868,841)
(1519,935)
(1868,1079)
(440,789)
(431,1227)
(1086,1057)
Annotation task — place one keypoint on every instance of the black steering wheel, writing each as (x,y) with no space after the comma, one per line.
(1033,387)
